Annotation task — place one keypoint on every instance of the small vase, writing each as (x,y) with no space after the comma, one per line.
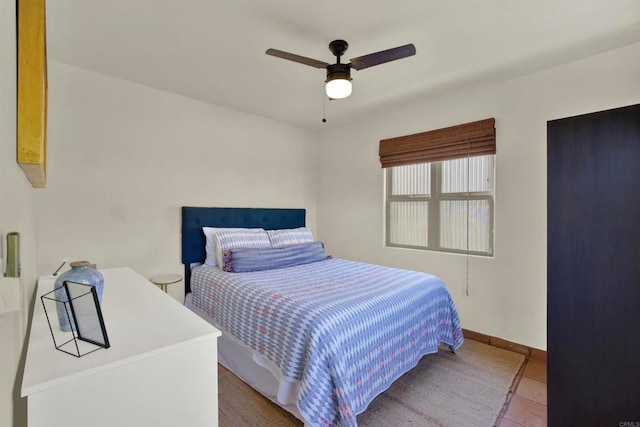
(80,272)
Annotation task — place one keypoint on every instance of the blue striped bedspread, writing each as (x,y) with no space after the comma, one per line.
(346,330)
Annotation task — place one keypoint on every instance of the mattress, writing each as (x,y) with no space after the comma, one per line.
(341,331)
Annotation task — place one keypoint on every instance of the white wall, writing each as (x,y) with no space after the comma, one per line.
(16,214)
(123,158)
(507,296)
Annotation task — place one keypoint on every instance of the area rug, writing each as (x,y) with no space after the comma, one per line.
(469,388)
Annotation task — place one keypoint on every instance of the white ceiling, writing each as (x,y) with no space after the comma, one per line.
(213,50)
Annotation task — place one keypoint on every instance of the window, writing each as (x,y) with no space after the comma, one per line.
(443,206)
(439,193)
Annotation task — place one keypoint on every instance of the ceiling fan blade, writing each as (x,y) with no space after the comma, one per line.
(383,56)
(296,58)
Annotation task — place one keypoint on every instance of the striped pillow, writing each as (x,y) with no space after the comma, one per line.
(255,259)
(210,244)
(227,240)
(289,236)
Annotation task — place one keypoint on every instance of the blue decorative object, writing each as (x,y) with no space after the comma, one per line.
(81,272)
(242,260)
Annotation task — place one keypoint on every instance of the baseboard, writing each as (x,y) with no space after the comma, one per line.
(531,352)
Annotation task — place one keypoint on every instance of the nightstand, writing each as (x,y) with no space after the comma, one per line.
(165,280)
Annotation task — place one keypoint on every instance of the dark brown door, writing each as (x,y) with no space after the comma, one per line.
(593,269)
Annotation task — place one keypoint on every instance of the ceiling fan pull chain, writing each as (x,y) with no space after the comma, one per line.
(324,108)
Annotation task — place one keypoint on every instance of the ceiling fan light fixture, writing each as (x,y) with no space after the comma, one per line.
(338,81)
(338,88)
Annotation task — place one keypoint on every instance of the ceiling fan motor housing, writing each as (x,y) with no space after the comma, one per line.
(338,71)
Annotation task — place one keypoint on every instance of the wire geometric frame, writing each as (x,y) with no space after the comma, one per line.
(83,313)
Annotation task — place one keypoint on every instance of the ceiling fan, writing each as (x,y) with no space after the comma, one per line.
(339,75)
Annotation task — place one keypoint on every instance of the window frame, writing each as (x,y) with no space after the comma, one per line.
(433,199)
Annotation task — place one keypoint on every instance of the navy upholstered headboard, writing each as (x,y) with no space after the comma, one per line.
(194,218)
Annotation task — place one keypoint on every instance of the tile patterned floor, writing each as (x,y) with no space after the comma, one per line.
(528,405)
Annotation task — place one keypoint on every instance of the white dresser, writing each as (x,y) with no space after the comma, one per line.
(161,368)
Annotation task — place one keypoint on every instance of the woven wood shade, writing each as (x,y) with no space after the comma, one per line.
(455,142)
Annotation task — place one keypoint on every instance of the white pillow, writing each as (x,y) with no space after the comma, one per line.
(227,240)
(210,244)
(289,236)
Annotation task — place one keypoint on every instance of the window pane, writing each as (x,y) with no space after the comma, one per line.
(408,223)
(453,225)
(455,178)
(410,180)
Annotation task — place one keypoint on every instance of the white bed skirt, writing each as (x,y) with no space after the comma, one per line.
(252,368)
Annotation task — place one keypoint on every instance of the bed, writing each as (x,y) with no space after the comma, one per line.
(320,337)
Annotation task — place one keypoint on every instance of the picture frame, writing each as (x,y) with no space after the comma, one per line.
(79,305)
(86,313)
